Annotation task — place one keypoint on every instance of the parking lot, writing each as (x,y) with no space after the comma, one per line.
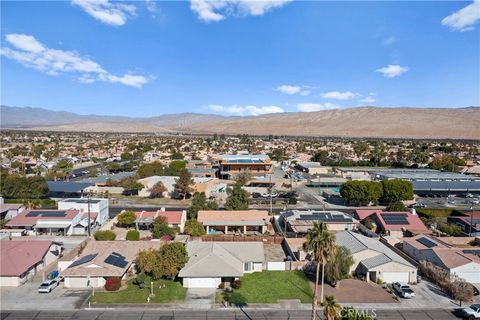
(26,297)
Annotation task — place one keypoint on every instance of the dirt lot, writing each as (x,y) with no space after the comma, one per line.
(356,291)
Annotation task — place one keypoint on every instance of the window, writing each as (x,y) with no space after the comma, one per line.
(247,266)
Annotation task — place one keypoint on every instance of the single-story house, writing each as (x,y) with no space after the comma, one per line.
(210,186)
(10,210)
(300,221)
(395,224)
(462,263)
(469,222)
(212,263)
(55,222)
(101,260)
(174,219)
(376,261)
(234,221)
(20,260)
(148,182)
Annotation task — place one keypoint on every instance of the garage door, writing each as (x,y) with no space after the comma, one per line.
(390,277)
(202,282)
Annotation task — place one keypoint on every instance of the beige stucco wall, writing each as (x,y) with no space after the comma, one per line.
(9,281)
(396,267)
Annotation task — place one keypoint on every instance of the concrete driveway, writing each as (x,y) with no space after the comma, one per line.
(201,298)
(26,297)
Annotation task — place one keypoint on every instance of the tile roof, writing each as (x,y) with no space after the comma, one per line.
(414,223)
(18,256)
(172,217)
(241,217)
(23,218)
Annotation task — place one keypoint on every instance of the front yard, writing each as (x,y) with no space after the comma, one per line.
(270,286)
(172,292)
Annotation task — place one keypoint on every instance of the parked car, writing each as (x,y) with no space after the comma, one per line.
(256,195)
(270,195)
(48,286)
(475,201)
(420,205)
(472,312)
(403,290)
(469,195)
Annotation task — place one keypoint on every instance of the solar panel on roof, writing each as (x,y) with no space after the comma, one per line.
(53,214)
(390,218)
(117,260)
(32,214)
(426,242)
(83,260)
(475,252)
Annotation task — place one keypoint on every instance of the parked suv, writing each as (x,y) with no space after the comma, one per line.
(472,312)
(403,290)
(48,286)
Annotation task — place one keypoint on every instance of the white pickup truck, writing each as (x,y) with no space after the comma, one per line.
(403,290)
(472,312)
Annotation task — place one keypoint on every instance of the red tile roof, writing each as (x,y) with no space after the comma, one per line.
(414,221)
(172,217)
(23,220)
(18,256)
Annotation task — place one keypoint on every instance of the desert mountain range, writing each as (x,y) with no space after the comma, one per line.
(376,122)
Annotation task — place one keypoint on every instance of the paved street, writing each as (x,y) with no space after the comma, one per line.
(233,314)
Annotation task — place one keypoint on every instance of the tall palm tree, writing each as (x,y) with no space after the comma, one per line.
(331,310)
(322,245)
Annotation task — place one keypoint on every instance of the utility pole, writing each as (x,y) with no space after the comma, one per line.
(270,194)
(471,219)
(89,227)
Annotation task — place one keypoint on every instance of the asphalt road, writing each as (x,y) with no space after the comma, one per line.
(233,314)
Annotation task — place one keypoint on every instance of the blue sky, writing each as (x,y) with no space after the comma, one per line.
(238,57)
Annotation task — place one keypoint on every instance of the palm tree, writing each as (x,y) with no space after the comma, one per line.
(331,310)
(322,245)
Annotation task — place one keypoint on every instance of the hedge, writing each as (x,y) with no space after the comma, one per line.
(133,235)
(105,235)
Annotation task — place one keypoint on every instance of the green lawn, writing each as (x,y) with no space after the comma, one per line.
(173,292)
(270,286)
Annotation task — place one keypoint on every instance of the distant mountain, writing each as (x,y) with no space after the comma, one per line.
(461,123)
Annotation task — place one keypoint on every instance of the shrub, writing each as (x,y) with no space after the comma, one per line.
(126,218)
(292,200)
(194,228)
(105,235)
(113,284)
(450,229)
(161,228)
(140,279)
(396,206)
(133,235)
(221,285)
(237,284)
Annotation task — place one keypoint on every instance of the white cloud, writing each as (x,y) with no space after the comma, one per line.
(392,70)
(115,14)
(464,19)
(389,40)
(151,6)
(249,110)
(217,10)
(33,54)
(346,95)
(311,107)
(369,99)
(289,89)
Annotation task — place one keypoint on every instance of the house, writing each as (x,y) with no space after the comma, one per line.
(10,210)
(300,221)
(174,219)
(54,222)
(234,221)
(167,181)
(97,205)
(213,263)
(20,260)
(312,168)
(468,221)
(396,224)
(460,262)
(210,186)
(229,165)
(374,260)
(101,260)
